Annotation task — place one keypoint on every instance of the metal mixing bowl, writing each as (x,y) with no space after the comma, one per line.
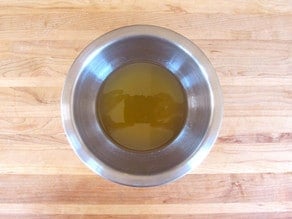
(142,43)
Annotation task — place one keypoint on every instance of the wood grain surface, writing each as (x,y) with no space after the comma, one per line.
(248,173)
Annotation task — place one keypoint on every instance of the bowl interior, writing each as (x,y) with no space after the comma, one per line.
(113,55)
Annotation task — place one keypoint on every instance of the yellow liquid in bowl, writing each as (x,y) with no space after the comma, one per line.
(141,106)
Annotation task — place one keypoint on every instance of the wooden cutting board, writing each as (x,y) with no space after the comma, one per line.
(248,174)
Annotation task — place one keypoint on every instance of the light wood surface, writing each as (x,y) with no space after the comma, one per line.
(248,174)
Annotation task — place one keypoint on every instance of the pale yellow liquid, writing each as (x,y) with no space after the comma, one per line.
(141,106)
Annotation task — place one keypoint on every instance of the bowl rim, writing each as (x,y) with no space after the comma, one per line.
(108,172)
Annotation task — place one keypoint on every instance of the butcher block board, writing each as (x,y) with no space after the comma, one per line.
(248,173)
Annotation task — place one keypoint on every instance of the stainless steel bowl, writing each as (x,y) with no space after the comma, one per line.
(142,43)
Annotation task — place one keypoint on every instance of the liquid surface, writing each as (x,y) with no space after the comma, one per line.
(141,106)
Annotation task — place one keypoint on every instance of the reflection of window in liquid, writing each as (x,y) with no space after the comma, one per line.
(159,110)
